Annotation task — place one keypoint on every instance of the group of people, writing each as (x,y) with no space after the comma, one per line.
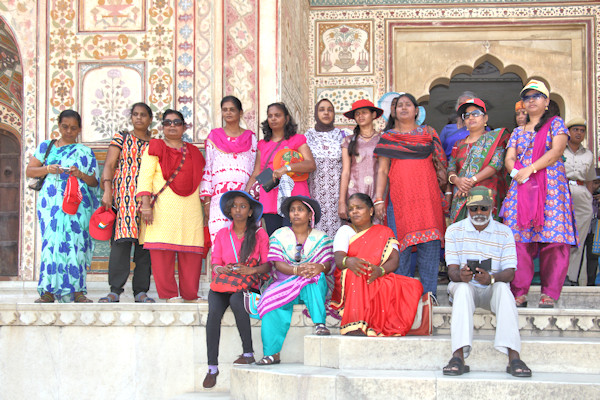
(341,215)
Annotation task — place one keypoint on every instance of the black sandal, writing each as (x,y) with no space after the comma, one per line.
(268,360)
(456,367)
(518,368)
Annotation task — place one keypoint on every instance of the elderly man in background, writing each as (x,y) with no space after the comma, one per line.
(482,259)
(579,166)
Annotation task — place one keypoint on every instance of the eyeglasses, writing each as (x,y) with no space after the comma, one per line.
(298,255)
(475,113)
(476,208)
(174,122)
(536,96)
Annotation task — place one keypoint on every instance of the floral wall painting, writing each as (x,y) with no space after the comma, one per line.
(106,94)
(344,48)
(342,97)
(112,15)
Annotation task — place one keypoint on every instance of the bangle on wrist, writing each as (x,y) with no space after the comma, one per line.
(288,167)
(148,209)
(48,168)
(382,270)
(344,261)
(378,202)
(296,270)
(474,178)
(217,266)
(450,178)
(534,170)
(448,193)
(378,199)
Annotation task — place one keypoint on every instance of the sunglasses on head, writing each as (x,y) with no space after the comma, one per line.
(535,96)
(174,122)
(298,255)
(475,113)
(476,208)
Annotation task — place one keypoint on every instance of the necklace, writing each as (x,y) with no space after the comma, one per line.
(367,137)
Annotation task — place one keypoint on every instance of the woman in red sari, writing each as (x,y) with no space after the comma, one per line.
(371,299)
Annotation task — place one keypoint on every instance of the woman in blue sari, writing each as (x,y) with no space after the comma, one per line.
(66,243)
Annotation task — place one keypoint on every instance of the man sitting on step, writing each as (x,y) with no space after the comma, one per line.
(482,259)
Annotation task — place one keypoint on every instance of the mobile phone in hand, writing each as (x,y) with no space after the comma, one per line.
(473,264)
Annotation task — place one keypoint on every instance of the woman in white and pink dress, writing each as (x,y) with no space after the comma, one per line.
(230,156)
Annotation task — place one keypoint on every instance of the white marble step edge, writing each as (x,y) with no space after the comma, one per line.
(532,322)
(431,353)
(203,396)
(295,381)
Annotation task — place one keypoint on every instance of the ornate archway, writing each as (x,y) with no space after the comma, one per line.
(11,116)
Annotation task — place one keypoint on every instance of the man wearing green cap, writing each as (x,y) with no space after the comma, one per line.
(487,247)
(579,166)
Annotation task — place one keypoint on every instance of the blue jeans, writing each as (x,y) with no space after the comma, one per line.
(392,225)
(428,260)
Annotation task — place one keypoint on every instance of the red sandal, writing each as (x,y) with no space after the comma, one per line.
(546,301)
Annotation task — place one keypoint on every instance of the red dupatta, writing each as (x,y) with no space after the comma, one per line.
(188,179)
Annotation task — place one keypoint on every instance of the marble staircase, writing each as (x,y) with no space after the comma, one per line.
(561,346)
(158,351)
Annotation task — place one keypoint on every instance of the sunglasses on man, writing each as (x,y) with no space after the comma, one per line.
(477,208)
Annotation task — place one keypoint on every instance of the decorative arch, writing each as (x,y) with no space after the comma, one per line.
(11,145)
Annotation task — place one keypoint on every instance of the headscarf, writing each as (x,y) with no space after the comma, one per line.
(319,125)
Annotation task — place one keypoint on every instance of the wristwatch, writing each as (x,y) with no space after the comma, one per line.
(492,279)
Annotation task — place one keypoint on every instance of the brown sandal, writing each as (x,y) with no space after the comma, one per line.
(80,298)
(47,297)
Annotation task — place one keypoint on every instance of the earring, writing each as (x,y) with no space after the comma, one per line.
(546,108)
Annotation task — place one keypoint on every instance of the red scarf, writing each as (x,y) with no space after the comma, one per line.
(188,179)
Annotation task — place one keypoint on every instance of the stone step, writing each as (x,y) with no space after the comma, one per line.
(584,297)
(203,396)
(431,353)
(296,381)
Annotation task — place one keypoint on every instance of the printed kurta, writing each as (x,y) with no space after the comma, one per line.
(224,171)
(363,172)
(558,212)
(324,182)
(468,159)
(125,185)
(67,246)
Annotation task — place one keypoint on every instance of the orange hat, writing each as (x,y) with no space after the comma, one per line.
(101,223)
(72,197)
(519,105)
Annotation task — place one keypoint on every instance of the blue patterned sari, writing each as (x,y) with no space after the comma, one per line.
(67,246)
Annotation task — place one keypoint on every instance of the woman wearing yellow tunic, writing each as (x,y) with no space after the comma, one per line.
(168,185)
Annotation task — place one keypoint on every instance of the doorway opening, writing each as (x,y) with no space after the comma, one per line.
(499,91)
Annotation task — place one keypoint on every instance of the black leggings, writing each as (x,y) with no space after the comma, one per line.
(217,305)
